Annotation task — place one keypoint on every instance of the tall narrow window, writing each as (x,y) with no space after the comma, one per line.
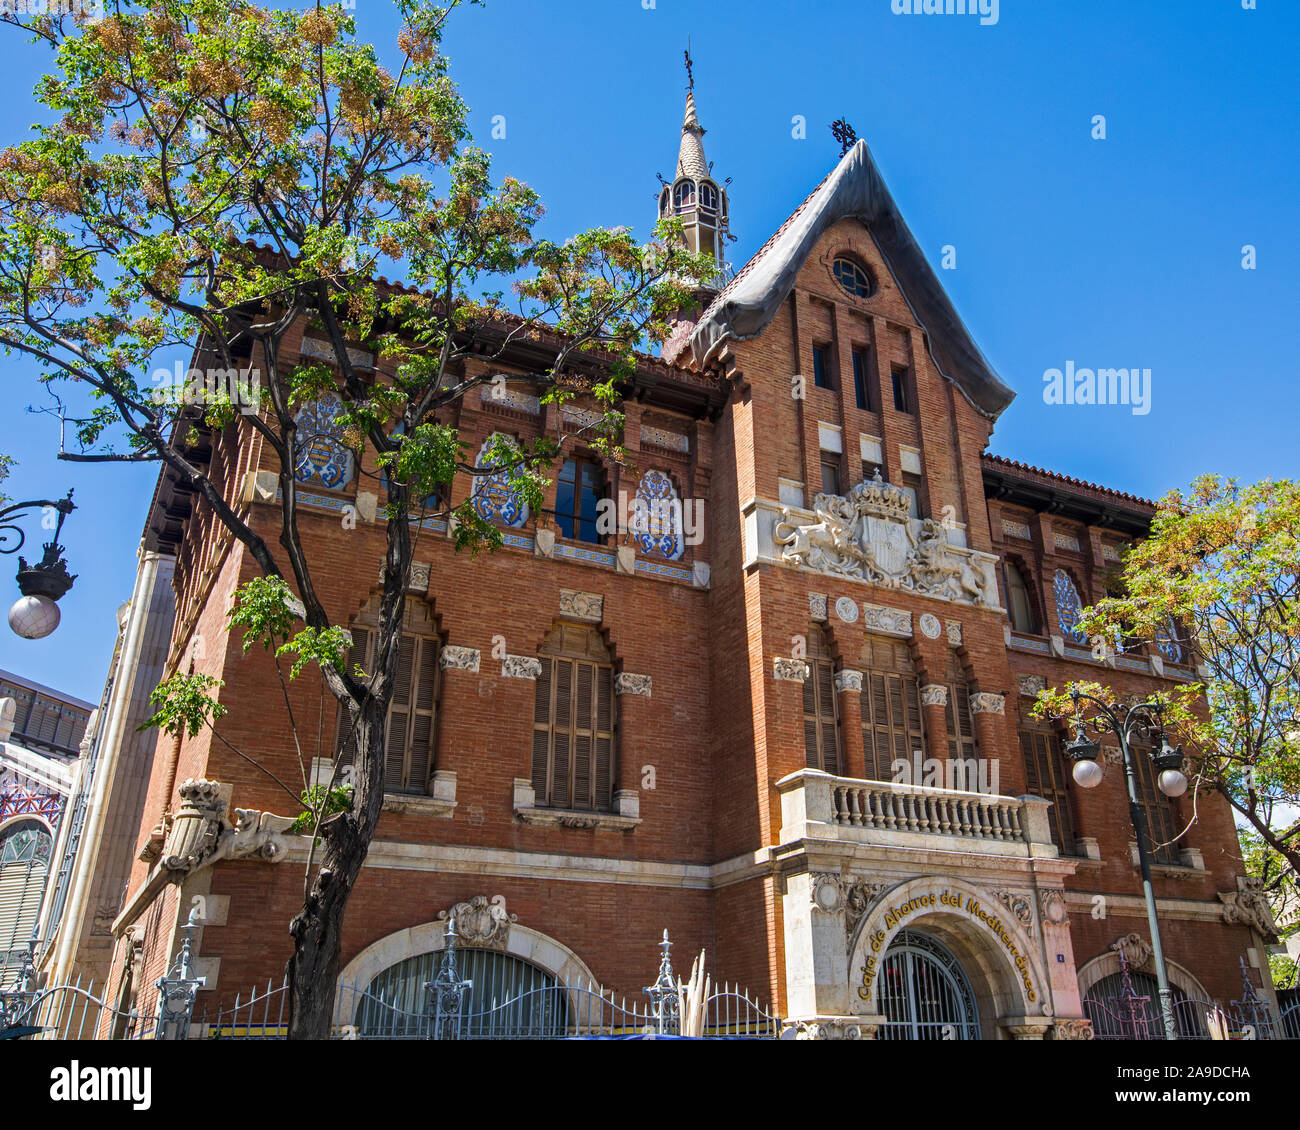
(821,733)
(573,722)
(412,714)
(821,366)
(891,707)
(912,487)
(830,463)
(898,376)
(1020,610)
(580,489)
(1045,776)
(1160,810)
(961,726)
(861,387)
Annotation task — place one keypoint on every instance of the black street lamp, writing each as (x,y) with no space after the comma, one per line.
(1148,717)
(35,614)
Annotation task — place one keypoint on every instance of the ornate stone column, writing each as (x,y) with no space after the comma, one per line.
(934,708)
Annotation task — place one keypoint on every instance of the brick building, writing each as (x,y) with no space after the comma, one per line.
(726,719)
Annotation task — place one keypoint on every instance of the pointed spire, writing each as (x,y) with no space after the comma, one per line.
(690,156)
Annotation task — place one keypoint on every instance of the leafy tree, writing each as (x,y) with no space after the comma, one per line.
(217,174)
(1217,582)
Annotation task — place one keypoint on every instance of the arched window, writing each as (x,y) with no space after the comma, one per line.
(508,997)
(891,707)
(1020,609)
(924,992)
(410,730)
(324,457)
(493,499)
(1135,1015)
(852,276)
(708,196)
(684,194)
(573,721)
(656,519)
(1068,607)
(25,847)
(821,727)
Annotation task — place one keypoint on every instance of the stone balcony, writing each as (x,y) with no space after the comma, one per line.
(818,806)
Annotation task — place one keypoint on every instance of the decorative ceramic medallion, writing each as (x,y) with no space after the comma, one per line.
(656,519)
(846,610)
(1068,607)
(323,456)
(493,500)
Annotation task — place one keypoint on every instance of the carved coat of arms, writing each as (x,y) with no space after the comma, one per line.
(868,535)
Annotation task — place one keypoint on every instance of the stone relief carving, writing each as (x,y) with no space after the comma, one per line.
(848,680)
(1073,1029)
(847,610)
(790,670)
(192,837)
(588,606)
(638,685)
(1051,905)
(200,834)
(817,605)
(930,626)
(1112,755)
(1018,903)
(887,621)
(868,535)
(460,659)
(836,894)
(1031,685)
(1134,948)
(954,632)
(986,703)
(1248,906)
(419,579)
(829,1029)
(521,667)
(481,921)
(934,694)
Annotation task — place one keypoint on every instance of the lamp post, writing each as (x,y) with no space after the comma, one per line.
(1148,717)
(35,614)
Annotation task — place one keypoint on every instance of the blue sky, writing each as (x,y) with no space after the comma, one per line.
(1122,252)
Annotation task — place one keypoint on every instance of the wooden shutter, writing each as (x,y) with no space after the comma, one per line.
(543,712)
(397,733)
(573,723)
(1045,777)
(892,723)
(820,724)
(423,715)
(961,726)
(1159,809)
(604,797)
(562,730)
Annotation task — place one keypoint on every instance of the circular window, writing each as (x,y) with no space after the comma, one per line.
(852,276)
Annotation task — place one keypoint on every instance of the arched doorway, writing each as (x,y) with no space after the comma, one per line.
(924,992)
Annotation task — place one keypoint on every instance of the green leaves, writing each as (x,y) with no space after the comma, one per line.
(184,705)
(321,802)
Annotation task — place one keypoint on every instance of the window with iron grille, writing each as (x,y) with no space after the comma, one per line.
(409,731)
(821,730)
(1046,776)
(573,722)
(1161,811)
(891,707)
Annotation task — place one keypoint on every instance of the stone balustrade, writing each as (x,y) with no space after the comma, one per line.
(818,806)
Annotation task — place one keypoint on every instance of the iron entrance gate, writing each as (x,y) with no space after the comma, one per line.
(925,993)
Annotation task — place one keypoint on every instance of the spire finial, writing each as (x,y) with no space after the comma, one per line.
(845,134)
(690,68)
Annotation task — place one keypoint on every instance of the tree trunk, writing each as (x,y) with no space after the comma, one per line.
(317,930)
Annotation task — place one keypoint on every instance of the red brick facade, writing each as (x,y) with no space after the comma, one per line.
(714,858)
